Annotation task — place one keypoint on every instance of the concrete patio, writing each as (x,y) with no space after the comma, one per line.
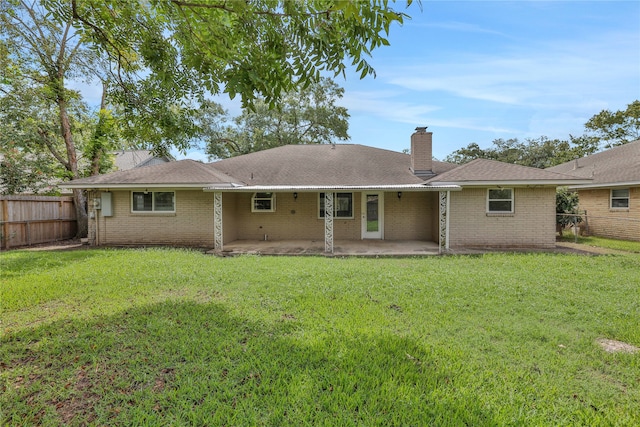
(364,248)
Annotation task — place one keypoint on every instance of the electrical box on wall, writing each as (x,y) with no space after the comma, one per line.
(107,206)
(97,204)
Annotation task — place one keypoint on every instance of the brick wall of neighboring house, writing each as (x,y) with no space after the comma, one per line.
(531,225)
(613,223)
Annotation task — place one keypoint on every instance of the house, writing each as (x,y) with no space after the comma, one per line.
(326,193)
(130,159)
(612,198)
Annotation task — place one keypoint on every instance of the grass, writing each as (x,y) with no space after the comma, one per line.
(174,337)
(620,245)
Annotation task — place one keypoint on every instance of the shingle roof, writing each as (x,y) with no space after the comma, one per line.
(482,171)
(314,166)
(130,159)
(182,172)
(618,165)
(324,165)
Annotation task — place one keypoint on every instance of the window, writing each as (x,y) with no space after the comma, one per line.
(263,202)
(620,198)
(153,201)
(342,205)
(500,200)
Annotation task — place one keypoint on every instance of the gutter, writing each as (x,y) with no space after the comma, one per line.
(525,183)
(606,185)
(315,188)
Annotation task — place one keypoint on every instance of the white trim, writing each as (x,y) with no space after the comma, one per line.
(379,235)
(334,188)
(335,205)
(511,200)
(628,199)
(512,183)
(133,186)
(153,202)
(272,199)
(607,185)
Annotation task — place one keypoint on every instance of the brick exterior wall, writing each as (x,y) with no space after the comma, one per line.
(412,217)
(190,225)
(421,151)
(531,225)
(606,222)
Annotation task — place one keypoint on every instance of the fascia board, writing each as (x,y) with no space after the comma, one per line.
(605,185)
(528,183)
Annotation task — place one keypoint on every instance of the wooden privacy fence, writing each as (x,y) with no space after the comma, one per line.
(29,220)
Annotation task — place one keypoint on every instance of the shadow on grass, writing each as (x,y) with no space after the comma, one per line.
(185,363)
(18,262)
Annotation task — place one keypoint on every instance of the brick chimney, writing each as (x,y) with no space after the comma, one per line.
(421,153)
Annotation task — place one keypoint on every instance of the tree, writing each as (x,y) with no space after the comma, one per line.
(42,54)
(566,208)
(616,128)
(160,59)
(308,116)
(539,153)
(250,48)
(467,154)
(22,171)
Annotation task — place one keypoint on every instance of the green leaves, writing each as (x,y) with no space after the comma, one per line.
(616,128)
(566,203)
(305,116)
(259,47)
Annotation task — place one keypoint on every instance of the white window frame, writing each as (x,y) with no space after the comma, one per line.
(272,200)
(612,198)
(336,205)
(510,200)
(153,202)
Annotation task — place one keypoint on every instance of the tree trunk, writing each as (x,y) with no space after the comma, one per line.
(82,219)
(79,199)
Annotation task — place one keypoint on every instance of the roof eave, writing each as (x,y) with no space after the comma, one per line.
(516,183)
(605,185)
(314,188)
(197,186)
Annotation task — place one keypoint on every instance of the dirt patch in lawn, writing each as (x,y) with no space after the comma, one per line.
(613,346)
(59,245)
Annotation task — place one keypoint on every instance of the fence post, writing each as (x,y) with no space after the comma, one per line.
(5,223)
(586,222)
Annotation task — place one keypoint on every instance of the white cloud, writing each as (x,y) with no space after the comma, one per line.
(550,74)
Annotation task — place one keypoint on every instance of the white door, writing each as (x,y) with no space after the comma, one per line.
(372,215)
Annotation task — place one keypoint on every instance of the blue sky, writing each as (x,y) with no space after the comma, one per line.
(475,71)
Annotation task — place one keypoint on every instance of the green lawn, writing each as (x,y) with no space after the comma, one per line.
(620,245)
(175,337)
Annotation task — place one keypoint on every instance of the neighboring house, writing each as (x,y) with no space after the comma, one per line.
(129,159)
(612,198)
(327,193)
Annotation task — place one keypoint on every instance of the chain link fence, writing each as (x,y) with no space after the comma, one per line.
(609,226)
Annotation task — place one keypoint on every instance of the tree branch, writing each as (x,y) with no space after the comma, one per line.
(52,149)
(181,3)
(102,35)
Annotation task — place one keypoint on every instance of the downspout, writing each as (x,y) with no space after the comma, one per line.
(96,214)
